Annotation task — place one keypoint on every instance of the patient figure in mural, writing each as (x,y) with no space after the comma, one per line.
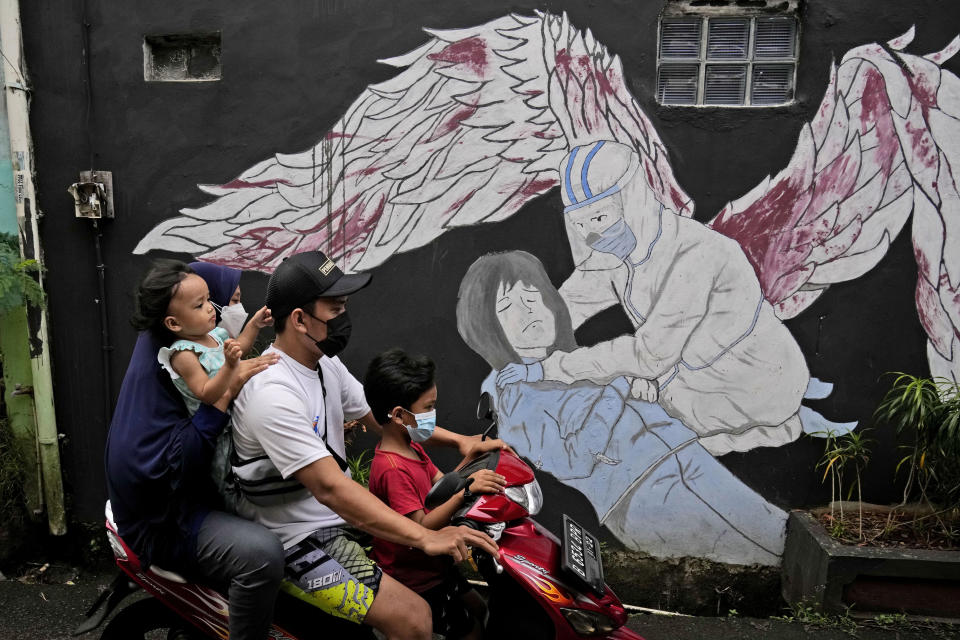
(647,476)
(707,345)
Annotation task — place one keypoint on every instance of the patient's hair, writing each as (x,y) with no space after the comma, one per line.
(395,378)
(477,305)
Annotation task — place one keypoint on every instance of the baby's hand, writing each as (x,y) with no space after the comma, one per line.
(263,318)
(644,389)
(486,481)
(232,351)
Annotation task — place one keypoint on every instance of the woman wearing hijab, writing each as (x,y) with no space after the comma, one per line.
(158,461)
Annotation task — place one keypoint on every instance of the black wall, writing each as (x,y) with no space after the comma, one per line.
(290,69)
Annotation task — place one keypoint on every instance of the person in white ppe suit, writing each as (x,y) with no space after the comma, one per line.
(707,345)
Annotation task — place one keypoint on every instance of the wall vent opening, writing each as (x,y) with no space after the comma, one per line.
(187,57)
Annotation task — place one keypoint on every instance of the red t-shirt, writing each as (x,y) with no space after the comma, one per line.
(403,484)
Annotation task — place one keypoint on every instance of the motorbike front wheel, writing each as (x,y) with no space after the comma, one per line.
(514,613)
(147,619)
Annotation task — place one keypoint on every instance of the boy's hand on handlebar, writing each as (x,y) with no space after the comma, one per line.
(473,446)
(486,481)
(456,542)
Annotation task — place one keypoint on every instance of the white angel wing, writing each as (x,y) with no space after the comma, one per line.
(474,126)
(881,146)
(478,119)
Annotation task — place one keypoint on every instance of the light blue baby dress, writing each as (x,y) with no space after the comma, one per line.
(211,359)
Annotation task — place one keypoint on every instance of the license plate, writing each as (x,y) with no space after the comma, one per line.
(581,555)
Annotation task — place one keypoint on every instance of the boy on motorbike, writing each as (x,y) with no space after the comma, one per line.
(402,393)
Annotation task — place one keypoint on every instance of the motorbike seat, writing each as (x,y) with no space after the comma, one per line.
(163,573)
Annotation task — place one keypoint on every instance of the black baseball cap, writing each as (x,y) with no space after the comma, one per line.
(304,277)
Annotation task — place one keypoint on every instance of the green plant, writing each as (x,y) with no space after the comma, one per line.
(806,613)
(848,451)
(926,412)
(360,467)
(837,528)
(11,477)
(17,282)
(890,619)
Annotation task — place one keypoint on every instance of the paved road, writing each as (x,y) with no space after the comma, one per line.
(50,608)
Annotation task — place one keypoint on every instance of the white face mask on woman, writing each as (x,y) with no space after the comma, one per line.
(232,319)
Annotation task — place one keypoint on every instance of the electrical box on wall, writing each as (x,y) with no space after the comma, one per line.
(93,195)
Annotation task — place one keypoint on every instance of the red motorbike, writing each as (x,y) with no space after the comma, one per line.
(539,587)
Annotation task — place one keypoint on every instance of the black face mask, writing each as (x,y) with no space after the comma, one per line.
(338,334)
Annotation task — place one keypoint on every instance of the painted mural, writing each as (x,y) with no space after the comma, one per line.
(648,475)
(480,121)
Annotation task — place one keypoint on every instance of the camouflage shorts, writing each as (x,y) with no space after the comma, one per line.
(329,569)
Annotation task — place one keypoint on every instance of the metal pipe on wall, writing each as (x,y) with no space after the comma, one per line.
(105,347)
(21,150)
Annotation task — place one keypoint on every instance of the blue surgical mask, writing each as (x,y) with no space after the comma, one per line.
(617,239)
(426,422)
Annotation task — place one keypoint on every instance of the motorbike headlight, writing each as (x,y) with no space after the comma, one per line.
(589,623)
(527,496)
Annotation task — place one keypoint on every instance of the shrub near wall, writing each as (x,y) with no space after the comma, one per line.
(12,507)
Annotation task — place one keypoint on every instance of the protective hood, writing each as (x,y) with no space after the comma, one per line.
(607,171)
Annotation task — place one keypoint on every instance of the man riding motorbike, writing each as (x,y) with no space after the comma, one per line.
(289,439)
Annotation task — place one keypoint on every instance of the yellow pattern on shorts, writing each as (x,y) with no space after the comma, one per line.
(348,599)
(333,573)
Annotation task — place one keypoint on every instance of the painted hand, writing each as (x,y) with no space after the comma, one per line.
(644,389)
(520,373)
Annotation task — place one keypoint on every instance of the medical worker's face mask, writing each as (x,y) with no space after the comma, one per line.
(232,319)
(617,239)
(426,423)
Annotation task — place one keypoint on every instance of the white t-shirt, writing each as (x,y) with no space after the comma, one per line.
(281,413)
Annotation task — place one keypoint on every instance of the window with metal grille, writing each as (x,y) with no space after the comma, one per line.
(719,58)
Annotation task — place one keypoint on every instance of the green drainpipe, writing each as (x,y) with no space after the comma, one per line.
(18,398)
(28,331)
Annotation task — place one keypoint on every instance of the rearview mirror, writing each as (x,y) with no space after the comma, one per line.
(485,407)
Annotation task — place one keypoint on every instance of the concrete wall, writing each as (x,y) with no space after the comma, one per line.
(291,70)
